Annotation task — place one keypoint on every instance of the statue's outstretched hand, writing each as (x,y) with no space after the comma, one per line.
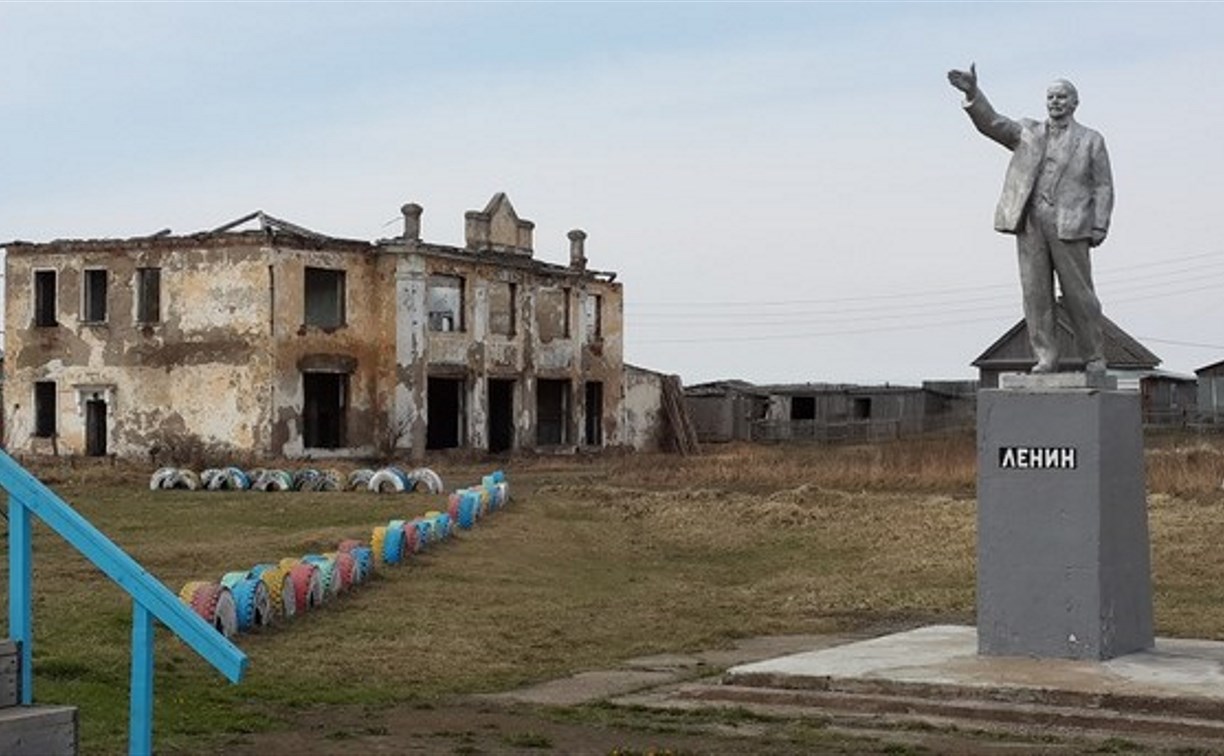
(965,81)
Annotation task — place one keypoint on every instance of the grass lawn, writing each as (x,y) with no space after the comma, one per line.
(595,560)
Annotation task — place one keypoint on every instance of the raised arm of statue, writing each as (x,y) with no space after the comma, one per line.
(965,81)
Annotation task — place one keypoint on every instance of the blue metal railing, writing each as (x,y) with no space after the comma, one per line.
(150,599)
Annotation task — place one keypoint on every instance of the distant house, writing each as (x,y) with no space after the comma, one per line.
(1167,397)
(824,412)
(1125,357)
(724,411)
(1210,399)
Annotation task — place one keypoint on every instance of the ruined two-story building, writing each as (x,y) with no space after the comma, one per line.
(275,340)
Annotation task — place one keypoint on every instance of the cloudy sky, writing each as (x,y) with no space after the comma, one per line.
(788,191)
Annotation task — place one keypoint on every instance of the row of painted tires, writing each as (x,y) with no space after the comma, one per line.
(385,480)
(252,599)
(248,600)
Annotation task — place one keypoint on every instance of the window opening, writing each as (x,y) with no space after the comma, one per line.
(593,316)
(803,408)
(862,408)
(502,308)
(324,297)
(552,313)
(95,296)
(44,298)
(445,302)
(148,295)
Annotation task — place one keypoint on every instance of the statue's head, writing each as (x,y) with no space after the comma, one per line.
(1062,98)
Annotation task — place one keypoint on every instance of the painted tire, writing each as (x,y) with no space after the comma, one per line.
(389,480)
(423,477)
(215,603)
(210,479)
(421,527)
(330,480)
(253,604)
(225,614)
(235,480)
(359,480)
(412,539)
(161,479)
(348,544)
(393,543)
(465,516)
(304,480)
(327,575)
(436,533)
(230,579)
(444,524)
(364,556)
(280,591)
(377,539)
(345,565)
(288,563)
(307,587)
(188,591)
(274,480)
(185,479)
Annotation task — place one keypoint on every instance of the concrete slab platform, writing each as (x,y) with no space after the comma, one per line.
(659,669)
(945,656)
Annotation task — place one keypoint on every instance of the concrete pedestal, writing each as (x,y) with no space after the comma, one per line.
(1064,569)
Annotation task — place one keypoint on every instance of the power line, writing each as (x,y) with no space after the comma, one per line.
(1102,276)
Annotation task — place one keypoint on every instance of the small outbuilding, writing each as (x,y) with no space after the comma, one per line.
(1210,400)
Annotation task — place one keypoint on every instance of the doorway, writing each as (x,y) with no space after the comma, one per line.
(323,415)
(501,415)
(552,412)
(593,425)
(444,429)
(95,427)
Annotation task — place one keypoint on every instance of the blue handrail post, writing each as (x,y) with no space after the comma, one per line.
(140,718)
(21,591)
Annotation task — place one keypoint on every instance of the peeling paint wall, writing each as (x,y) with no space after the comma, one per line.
(545,337)
(252,353)
(219,367)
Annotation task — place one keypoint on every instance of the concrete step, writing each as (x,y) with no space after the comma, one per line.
(930,704)
(38,731)
(31,730)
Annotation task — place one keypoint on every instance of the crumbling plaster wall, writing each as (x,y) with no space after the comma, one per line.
(188,373)
(476,354)
(355,348)
(644,418)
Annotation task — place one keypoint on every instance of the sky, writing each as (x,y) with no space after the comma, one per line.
(788,192)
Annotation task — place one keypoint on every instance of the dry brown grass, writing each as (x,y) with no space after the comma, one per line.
(598,559)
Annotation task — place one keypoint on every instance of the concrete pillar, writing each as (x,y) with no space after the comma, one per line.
(578,259)
(412,221)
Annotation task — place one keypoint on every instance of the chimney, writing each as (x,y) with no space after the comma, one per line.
(577,239)
(412,221)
